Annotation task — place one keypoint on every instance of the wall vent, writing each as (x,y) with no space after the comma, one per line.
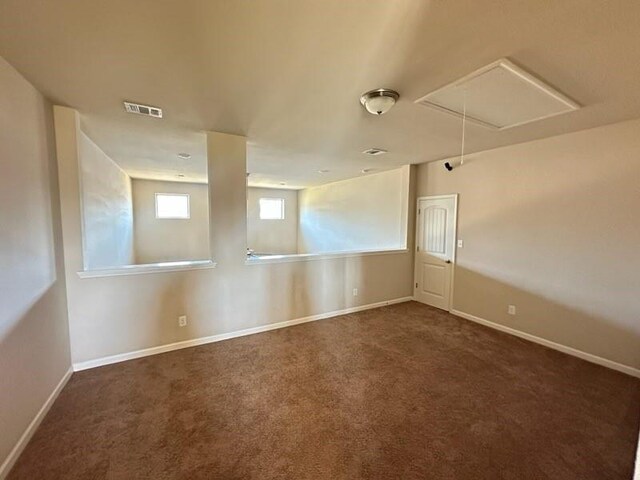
(500,95)
(143,109)
(374,151)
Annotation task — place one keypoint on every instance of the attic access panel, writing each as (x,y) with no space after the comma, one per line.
(500,96)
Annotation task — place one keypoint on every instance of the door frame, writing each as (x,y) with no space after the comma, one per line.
(455,239)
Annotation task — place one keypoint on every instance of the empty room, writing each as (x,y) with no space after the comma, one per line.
(319,239)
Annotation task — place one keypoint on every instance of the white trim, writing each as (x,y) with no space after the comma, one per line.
(149,268)
(33,426)
(305,257)
(121,357)
(589,357)
(454,255)
(435,197)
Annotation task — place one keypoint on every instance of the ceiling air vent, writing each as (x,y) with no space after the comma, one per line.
(143,109)
(375,151)
(499,96)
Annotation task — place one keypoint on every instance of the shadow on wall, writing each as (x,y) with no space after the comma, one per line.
(326,286)
(316,287)
(300,297)
(559,243)
(182,297)
(29,263)
(35,340)
(173,304)
(34,337)
(32,260)
(478,295)
(290,291)
(177,295)
(34,315)
(19,308)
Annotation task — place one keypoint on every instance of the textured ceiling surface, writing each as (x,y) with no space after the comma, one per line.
(288,74)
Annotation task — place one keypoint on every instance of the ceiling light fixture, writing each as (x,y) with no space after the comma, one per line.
(379,101)
(374,151)
(184,156)
(180,175)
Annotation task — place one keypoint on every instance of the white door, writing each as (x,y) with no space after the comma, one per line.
(435,254)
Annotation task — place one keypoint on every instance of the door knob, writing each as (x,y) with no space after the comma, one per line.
(448,261)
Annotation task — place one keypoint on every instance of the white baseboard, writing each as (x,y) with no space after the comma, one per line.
(33,426)
(589,357)
(98,362)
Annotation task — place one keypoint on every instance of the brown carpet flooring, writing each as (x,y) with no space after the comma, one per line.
(400,392)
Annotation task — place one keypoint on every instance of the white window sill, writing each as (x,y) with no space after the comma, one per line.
(148,268)
(306,257)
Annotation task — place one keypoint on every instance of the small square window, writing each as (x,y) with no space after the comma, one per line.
(172,205)
(272,209)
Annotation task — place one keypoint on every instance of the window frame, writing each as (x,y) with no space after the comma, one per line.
(158,217)
(282,208)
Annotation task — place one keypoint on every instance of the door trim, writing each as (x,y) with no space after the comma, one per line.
(455,240)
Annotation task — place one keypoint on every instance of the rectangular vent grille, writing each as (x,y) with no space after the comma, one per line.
(143,109)
(375,151)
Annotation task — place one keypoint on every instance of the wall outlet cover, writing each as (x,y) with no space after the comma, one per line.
(182,321)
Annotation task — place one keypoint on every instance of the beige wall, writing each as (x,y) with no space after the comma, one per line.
(113,315)
(167,240)
(107,209)
(363,213)
(552,227)
(34,337)
(272,236)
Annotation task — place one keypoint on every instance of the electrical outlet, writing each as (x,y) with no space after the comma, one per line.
(182,321)
(460,244)
(355,292)
(511,310)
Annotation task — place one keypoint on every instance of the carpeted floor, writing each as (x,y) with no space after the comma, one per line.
(400,392)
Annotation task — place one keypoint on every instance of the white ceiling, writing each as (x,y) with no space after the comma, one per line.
(288,74)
